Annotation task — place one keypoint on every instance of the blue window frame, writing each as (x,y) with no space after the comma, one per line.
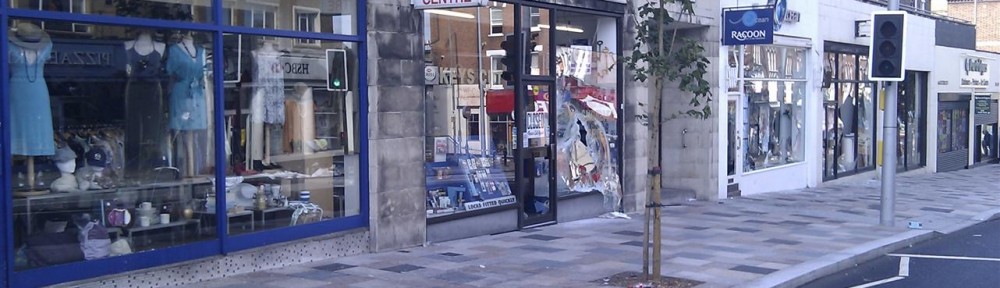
(223,244)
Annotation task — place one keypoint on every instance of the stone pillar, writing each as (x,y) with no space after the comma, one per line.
(636,134)
(395,125)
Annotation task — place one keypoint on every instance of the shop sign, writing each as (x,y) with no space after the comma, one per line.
(975,73)
(535,124)
(495,202)
(303,68)
(438,4)
(748,26)
(430,75)
(783,15)
(983,104)
(458,76)
(468,95)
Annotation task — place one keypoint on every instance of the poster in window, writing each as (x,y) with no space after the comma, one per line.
(440,149)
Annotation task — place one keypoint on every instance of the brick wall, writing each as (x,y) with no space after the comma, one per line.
(988,28)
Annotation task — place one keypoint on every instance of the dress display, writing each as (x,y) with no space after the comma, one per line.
(269,87)
(144,125)
(31,128)
(187,98)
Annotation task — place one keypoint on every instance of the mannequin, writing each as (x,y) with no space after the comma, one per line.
(65,160)
(31,131)
(144,127)
(267,102)
(186,64)
(96,160)
(299,120)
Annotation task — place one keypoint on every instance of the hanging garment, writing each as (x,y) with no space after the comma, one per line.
(145,129)
(269,87)
(30,113)
(187,99)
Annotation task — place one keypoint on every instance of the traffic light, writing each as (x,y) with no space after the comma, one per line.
(337,74)
(886,57)
(508,46)
(529,51)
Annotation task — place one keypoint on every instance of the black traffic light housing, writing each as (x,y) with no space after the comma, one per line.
(336,79)
(886,57)
(529,50)
(508,45)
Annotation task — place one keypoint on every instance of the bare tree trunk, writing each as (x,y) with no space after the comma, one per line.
(654,156)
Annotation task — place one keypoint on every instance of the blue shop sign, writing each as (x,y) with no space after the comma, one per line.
(748,26)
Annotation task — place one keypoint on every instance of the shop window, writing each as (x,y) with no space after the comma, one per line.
(307,20)
(536,31)
(473,126)
(849,125)
(179,10)
(953,130)
(774,90)
(534,19)
(496,21)
(337,17)
(586,99)
(298,162)
(261,15)
(496,71)
(912,110)
(116,146)
(469,163)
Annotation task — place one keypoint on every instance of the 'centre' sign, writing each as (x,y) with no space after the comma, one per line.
(438,4)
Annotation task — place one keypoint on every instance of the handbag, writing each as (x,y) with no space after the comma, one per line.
(119,247)
(119,217)
(305,213)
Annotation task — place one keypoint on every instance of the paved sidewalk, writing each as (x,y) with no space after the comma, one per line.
(759,241)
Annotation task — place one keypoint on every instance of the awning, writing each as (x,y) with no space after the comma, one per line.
(500,101)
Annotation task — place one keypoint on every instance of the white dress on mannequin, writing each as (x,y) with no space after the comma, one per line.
(267,102)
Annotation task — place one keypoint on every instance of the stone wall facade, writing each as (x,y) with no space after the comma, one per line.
(395,117)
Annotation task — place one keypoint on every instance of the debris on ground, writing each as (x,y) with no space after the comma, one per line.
(636,280)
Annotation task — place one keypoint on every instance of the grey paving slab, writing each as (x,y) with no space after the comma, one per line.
(741,240)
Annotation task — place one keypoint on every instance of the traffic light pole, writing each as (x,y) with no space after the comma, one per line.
(890,134)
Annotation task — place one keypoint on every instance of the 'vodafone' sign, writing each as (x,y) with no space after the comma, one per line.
(435,4)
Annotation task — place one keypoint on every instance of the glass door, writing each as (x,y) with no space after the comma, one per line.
(537,156)
(734,163)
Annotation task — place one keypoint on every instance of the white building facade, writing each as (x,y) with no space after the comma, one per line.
(801,112)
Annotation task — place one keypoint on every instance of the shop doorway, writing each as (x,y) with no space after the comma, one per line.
(986,143)
(538,191)
(734,152)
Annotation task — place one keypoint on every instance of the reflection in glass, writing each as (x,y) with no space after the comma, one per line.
(536,23)
(850,114)
(299,163)
(986,140)
(469,119)
(960,130)
(336,17)
(178,10)
(586,112)
(536,135)
(944,131)
(111,152)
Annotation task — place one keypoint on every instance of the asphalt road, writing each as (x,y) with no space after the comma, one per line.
(966,258)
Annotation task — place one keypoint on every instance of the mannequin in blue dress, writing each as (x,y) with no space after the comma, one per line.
(31,115)
(186,64)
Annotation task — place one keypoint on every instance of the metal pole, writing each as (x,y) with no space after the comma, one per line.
(483,118)
(890,132)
